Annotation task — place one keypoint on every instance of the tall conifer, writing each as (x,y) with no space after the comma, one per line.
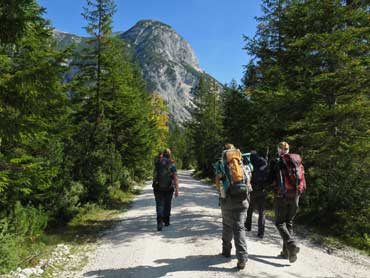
(311,88)
(206,125)
(115,136)
(32,104)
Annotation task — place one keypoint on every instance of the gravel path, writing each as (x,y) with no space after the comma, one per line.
(189,247)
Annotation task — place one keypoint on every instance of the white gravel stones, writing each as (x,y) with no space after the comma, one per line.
(60,255)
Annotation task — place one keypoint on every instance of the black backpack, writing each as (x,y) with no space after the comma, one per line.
(164,174)
(260,172)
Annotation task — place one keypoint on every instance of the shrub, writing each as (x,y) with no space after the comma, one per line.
(22,227)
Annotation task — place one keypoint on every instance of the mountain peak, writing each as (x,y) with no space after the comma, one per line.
(162,41)
(168,63)
(151,23)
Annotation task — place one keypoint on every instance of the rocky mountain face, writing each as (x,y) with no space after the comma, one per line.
(168,62)
(66,39)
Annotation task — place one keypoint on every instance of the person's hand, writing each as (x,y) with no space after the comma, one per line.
(176,193)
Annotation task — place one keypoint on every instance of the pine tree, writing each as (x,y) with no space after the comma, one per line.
(15,15)
(140,135)
(32,107)
(92,142)
(32,112)
(273,104)
(180,142)
(116,136)
(235,116)
(334,133)
(319,100)
(206,126)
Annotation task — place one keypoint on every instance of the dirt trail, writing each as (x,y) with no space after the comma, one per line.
(189,247)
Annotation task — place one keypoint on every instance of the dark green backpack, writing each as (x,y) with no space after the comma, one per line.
(164,174)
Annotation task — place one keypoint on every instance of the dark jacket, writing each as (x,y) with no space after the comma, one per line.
(260,172)
(273,176)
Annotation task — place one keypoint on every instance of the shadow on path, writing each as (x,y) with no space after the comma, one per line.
(261,259)
(196,217)
(206,263)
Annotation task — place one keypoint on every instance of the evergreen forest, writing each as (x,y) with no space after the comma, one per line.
(65,145)
(308,83)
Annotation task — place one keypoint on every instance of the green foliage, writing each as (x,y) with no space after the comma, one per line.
(308,84)
(160,119)
(9,257)
(206,126)
(69,203)
(23,226)
(179,142)
(64,145)
(27,221)
(235,105)
(14,18)
(114,132)
(32,110)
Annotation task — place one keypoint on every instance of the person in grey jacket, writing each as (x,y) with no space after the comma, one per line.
(234,212)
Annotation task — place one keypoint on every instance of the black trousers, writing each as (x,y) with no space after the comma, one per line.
(258,203)
(163,201)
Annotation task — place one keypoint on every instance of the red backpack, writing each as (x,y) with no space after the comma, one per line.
(293,172)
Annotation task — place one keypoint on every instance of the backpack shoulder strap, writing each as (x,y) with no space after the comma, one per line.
(295,158)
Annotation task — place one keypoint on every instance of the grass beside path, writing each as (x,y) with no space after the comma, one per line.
(85,228)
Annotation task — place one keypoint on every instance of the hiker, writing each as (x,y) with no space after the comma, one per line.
(234,191)
(165,183)
(287,176)
(258,195)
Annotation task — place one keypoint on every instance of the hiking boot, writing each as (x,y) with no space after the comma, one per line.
(159,226)
(292,253)
(260,235)
(241,265)
(283,254)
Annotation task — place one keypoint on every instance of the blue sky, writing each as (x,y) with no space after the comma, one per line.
(214,28)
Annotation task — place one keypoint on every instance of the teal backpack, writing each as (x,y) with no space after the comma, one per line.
(247,162)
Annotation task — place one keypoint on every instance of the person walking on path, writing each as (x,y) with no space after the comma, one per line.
(234,200)
(287,176)
(165,183)
(258,195)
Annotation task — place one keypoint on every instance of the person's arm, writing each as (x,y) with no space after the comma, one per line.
(218,179)
(176,181)
(175,178)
